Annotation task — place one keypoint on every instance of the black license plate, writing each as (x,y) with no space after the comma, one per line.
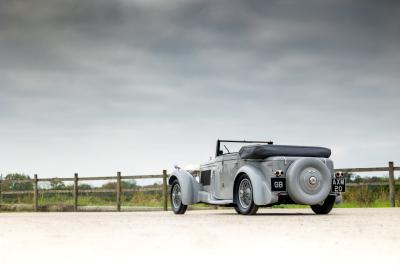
(278,184)
(338,185)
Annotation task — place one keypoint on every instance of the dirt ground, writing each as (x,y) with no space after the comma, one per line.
(288,237)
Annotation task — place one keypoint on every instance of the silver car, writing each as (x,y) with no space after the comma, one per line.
(260,174)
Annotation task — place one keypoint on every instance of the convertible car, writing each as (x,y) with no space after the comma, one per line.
(260,174)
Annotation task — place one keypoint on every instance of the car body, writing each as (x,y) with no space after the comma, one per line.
(260,174)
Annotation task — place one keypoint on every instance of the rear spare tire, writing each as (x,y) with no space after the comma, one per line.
(309,181)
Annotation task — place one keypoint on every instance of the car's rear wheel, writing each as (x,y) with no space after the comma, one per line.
(244,197)
(176,198)
(325,207)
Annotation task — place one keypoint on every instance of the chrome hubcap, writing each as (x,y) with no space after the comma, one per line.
(245,193)
(176,196)
(312,180)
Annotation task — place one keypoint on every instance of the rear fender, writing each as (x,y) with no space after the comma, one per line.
(189,186)
(261,192)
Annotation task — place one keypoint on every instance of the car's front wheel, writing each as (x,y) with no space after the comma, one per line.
(325,207)
(244,197)
(176,198)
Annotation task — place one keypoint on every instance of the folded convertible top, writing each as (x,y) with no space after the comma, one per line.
(264,151)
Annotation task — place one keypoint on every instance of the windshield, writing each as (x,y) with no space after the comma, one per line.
(232,146)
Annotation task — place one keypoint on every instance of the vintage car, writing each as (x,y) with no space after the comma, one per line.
(260,174)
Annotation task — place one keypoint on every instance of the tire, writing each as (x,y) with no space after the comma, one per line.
(237,209)
(325,207)
(309,181)
(244,196)
(176,199)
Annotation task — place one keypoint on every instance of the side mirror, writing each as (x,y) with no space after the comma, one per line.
(220,153)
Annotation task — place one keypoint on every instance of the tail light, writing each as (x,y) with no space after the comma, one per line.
(339,174)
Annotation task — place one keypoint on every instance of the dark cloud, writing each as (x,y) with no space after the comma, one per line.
(108,74)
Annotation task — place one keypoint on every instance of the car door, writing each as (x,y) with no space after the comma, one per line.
(224,177)
(216,176)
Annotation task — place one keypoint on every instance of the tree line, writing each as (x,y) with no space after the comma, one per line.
(9,183)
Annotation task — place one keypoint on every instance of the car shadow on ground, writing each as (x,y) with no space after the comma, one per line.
(283,214)
(269,214)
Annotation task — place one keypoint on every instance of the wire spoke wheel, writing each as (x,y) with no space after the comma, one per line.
(244,197)
(176,196)
(245,193)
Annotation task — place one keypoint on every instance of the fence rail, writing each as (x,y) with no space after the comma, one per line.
(164,176)
(376,169)
(68,191)
(391,168)
(76,191)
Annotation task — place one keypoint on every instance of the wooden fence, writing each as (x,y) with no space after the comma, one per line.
(75,190)
(390,168)
(164,176)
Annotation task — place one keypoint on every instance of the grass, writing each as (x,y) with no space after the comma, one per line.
(375,204)
(290,206)
(138,199)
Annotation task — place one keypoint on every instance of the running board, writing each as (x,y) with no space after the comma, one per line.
(206,197)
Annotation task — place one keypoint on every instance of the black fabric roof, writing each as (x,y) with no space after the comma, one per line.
(265,151)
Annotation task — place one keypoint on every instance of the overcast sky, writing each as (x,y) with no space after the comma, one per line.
(102,86)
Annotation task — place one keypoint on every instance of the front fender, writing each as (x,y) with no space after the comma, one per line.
(261,192)
(189,186)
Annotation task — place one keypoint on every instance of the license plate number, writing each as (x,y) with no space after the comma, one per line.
(338,185)
(278,184)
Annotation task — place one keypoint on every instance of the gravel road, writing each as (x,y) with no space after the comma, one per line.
(288,237)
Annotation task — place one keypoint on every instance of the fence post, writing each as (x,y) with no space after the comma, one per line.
(76,192)
(392,191)
(35,193)
(165,190)
(1,196)
(118,188)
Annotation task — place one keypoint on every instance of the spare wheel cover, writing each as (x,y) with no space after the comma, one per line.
(309,181)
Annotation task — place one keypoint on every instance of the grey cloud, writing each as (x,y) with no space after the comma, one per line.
(296,71)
